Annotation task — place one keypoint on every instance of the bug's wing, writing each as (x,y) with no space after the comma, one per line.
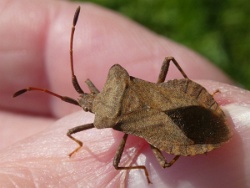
(173,94)
(155,127)
(176,133)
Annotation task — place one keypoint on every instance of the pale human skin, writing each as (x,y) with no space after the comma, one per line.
(34,51)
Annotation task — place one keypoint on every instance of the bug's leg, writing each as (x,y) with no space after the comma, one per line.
(161,159)
(165,66)
(118,156)
(215,92)
(76,130)
(91,86)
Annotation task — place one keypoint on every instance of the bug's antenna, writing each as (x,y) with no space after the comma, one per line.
(74,79)
(64,98)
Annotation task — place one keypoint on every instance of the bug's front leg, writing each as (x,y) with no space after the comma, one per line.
(118,156)
(161,159)
(76,130)
(165,66)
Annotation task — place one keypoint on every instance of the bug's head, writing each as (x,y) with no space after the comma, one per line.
(86,101)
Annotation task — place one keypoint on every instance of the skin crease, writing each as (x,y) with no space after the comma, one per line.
(34,51)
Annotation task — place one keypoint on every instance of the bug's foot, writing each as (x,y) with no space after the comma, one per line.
(216,92)
(75,151)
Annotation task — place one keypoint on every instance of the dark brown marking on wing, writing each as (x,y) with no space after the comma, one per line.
(200,124)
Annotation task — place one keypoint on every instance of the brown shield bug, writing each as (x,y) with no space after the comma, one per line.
(178,117)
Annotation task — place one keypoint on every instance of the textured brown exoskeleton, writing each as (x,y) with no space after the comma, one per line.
(178,117)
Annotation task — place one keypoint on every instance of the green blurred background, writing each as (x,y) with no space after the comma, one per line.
(219,30)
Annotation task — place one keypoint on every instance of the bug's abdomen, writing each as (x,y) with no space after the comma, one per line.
(189,93)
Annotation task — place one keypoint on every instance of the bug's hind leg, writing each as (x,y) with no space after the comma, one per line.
(161,159)
(165,66)
(118,156)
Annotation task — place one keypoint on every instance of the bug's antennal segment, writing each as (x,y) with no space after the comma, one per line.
(64,98)
(74,79)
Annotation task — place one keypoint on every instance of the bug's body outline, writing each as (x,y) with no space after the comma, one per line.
(121,102)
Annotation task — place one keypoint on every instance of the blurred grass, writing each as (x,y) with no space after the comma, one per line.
(219,30)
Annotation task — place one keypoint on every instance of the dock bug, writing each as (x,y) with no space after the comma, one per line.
(178,117)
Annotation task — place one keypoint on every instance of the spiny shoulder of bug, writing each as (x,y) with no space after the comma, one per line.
(117,80)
